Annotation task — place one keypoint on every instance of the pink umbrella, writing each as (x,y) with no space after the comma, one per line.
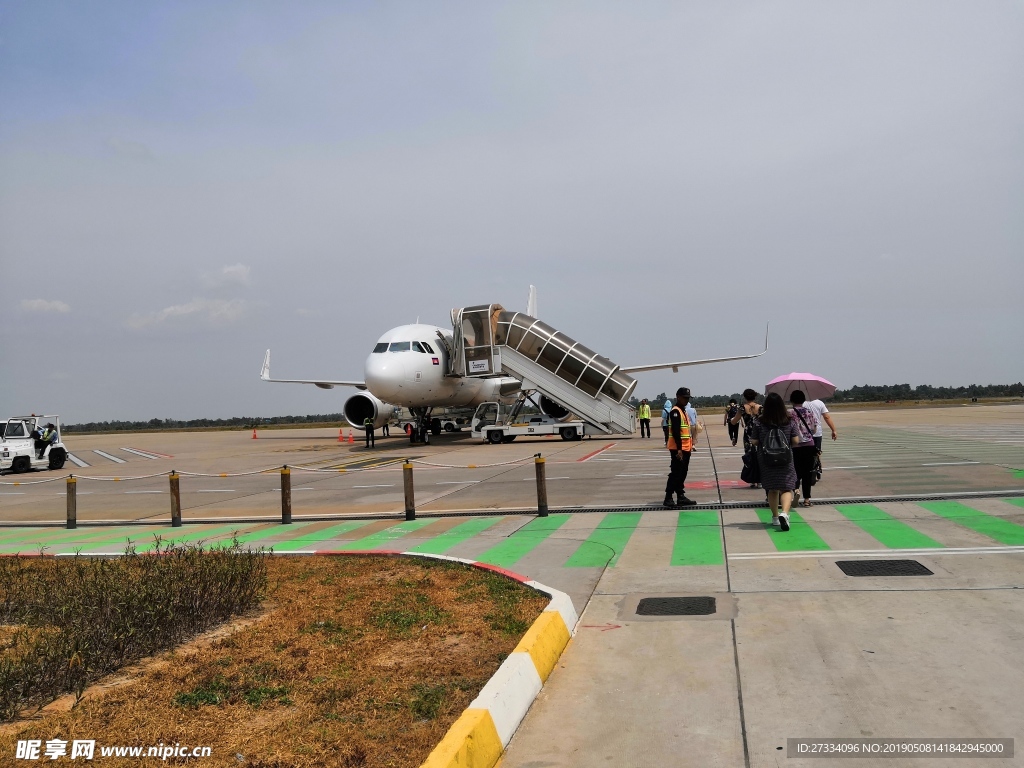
(813,387)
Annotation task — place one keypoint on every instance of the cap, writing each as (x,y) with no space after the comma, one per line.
(683,392)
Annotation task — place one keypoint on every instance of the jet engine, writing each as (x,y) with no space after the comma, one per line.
(358,407)
(550,408)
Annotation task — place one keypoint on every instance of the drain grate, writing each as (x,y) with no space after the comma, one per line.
(676,606)
(883,568)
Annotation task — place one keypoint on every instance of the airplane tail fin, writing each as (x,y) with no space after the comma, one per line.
(265,371)
(531,303)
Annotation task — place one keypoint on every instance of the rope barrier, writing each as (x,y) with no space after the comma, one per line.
(471,466)
(112,479)
(33,482)
(268,470)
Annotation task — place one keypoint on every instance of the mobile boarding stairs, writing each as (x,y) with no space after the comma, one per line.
(490,341)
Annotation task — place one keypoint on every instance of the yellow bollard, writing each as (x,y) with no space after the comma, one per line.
(542,486)
(72,502)
(286,495)
(175,501)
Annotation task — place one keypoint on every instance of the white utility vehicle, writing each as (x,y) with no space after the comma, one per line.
(497,423)
(21,448)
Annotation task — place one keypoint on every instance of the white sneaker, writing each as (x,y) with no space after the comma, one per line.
(775,522)
(784,521)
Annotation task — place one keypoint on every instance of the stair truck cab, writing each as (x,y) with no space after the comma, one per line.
(20,449)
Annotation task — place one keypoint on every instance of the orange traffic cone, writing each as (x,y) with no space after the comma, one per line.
(254,435)
(341,437)
(350,438)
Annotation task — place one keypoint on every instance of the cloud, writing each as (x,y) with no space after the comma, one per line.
(42,305)
(212,310)
(233,274)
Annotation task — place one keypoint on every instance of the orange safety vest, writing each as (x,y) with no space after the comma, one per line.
(684,432)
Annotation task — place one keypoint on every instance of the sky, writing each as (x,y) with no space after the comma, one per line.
(184,185)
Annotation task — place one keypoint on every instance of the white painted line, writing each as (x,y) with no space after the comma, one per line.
(112,458)
(216,490)
(130,492)
(12,493)
(458,482)
(75,460)
(858,466)
(77,493)
(647,474)
(831,553)
(948,463)
(388,485)
(143,454)
(298,489)
(531,479)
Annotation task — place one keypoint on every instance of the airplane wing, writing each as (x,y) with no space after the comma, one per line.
(676,366)
(322,383)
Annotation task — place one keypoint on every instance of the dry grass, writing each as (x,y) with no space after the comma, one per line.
(362,661)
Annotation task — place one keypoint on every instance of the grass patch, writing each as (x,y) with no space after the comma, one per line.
(360,661)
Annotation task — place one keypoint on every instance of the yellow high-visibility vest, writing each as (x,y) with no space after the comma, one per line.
(643,412)
(684,433)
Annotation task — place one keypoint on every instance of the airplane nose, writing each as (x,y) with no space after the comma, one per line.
(384,374)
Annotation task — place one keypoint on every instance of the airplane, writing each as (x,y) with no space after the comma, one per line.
(410,367)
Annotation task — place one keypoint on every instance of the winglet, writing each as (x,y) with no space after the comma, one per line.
(531,303)
(265,371)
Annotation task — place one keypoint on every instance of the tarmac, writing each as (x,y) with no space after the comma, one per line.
(795,647)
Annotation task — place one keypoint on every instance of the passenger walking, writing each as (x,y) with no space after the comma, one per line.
(821,413)
(681,441)
(644,414)
(732,410)
(368,428)
(806,453)
(665,410)
(748,415)
(775,437)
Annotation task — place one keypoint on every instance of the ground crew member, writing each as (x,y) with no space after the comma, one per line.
(368,427)
(49,436)
(644,414)
(385,431)
(681,437)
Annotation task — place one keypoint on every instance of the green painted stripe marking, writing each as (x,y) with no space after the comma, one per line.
(1017,502)
(467,530)
(266,533)
(374,540)
(698,539)
(800,536)
(201,535)
(1018,474)
(59,536)
(893,533)
(523,541)
(606,543)
(310,540)
(994,527)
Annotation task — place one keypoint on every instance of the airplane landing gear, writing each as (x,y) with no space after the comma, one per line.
(421,430)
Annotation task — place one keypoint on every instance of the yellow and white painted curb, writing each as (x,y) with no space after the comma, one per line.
(479,737)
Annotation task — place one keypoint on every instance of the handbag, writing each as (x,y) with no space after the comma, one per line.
(751,472)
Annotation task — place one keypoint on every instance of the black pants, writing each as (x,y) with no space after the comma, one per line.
(369,437)
(645,424)
(803,462)
(384,431)
(677,472)
(734,432)
(664,428)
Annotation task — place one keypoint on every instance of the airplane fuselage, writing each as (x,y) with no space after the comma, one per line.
(407,368)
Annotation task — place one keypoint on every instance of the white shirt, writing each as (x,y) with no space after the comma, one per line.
(819,410)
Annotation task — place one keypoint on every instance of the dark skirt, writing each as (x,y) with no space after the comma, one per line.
(777,478)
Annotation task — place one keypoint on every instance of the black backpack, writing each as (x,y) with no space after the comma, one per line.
(775,451)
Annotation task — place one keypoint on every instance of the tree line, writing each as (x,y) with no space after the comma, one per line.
(237,422)
(871,393)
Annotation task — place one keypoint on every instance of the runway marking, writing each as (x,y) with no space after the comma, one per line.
(531,479)
(994,527)
(386,485)
(143,454)
(136,492)
(613,533)
(12,493)
(76,461)
(112,458)
(646,474)
(858,466)
(800,535)
(523,541)
(156,454)
(592,454)
(77,493)
(302,540)
(194,536)
(303,488)
(698,539)
(948,463)
(460,533)
(457,482)
(216,490)
(887,529)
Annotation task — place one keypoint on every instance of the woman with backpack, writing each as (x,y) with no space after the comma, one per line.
(805,454)
(775,437)
(748,415)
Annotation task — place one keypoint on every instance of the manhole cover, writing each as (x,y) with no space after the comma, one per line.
(676,606)
(883,568)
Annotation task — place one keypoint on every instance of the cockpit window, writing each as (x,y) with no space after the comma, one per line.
(381,347)
(429,348)
(399,346)
(417,347)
